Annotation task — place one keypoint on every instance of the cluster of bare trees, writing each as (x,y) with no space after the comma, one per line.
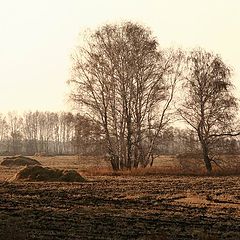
(127,84)
(47,133)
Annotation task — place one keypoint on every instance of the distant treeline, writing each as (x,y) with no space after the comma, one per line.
(47,133)
(56,133)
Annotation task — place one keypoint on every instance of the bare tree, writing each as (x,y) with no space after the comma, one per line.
(87,136)
(4,134)
(209,106)
(28,133)
(124,82)
(15,125)
(67,123)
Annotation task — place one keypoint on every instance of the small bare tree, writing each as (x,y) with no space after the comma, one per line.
(123,81)
(209,106)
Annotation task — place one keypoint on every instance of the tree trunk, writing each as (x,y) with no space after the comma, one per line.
(205,150)
(115,162)
(206,158)
(129,141)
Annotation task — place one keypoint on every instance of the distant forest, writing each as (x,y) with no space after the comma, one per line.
(65,133)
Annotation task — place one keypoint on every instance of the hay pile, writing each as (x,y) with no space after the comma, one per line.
(39,173)
(19,160)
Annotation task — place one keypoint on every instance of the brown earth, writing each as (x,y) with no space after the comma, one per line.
(119,207)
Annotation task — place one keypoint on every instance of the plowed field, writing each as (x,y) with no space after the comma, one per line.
(120,207)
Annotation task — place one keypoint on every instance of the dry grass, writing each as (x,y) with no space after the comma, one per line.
(163,165)
(171,166)
(156,171)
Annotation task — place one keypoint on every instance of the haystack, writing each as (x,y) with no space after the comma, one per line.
(39,173)
(19,160)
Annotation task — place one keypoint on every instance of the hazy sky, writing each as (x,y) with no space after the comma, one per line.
(37,37)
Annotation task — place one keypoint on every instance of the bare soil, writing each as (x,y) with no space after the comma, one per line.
(119,207)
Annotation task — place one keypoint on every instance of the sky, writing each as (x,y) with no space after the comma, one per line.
(37,38)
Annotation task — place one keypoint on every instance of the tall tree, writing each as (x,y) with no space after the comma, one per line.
(126,83)
(15,125)
(28,133)
(209,106)
(4,134)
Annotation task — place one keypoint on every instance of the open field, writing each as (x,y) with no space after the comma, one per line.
(128,206)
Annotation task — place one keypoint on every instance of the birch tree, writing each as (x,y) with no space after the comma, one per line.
(209,106)
(123,80)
